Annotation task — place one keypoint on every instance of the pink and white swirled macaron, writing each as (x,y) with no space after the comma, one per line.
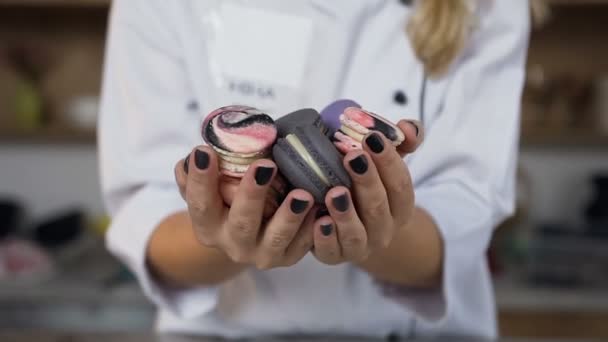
(240,135)
(356,123)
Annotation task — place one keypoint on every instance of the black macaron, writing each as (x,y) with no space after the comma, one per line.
(303,117)
(318,149)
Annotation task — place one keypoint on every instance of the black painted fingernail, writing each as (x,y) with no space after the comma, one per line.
(201,159)
(322,212)
(263,175)
(340,203)
(187,163)
(298,206)
(416,127)
(326,229)
(359,164)
(375,143)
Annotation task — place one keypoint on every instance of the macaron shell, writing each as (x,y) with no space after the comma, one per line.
(303,117)
(239,129)
(325,153)
(297,172)
(332,112)
(363,122)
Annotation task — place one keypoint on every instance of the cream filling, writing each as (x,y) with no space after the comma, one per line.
(297,145)
(352,133)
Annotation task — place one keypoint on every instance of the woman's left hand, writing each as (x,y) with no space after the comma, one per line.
(381,202)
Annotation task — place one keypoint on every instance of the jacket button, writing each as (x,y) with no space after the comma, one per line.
(400,97)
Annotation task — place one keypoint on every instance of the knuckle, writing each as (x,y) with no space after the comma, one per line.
(279,239)
(305,245)
(404,186)
(384,161)
(380,243)
(376,208)
(198,207)
(242,227)
(353,241)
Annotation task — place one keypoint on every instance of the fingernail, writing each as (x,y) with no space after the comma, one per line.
(263,175)
(322,212)
(298,206)
(340,203)
(415,126)
(201,159)
(375,143)
(359,164)
(326,229)
(187,163)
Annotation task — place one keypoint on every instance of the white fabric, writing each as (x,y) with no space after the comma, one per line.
(157,89)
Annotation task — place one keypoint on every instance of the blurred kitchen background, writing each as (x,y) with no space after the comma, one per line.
(550,261)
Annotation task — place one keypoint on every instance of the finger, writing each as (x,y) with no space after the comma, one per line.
(181,174)
(327,248)
(246,213)
(228,188)
(302,243)
(282,228)
(370,198)
(202,194)
(394,175)
(414,136)
(352,236)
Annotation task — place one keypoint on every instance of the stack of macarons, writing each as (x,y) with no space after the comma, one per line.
(241,135)
(353,123)
(306,156)
(304,144)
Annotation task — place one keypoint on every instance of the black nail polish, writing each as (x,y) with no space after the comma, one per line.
(326,229)
(201,159)
(416,127)
(263,175)
(322,212)
(340,203)
(298,206)
(187,163)
(359,164)
(375,143)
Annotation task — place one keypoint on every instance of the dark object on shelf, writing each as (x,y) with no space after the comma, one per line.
(557,230)
(597,211)
(61,230)
(10,217)
(566,256)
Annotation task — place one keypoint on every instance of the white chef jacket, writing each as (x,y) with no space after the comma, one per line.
(160,81)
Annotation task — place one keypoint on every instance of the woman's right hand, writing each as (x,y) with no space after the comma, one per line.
(240,231)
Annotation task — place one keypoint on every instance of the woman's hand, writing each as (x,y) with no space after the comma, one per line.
(381,202)
(239,231)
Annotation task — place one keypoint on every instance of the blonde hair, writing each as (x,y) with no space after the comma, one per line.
(439,30)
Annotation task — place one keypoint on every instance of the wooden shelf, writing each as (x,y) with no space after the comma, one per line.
(49,136)
(56,3)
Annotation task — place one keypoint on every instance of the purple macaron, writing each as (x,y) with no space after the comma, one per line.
(331,114)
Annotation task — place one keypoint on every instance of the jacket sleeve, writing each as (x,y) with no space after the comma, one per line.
(146,125)
(464,173)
